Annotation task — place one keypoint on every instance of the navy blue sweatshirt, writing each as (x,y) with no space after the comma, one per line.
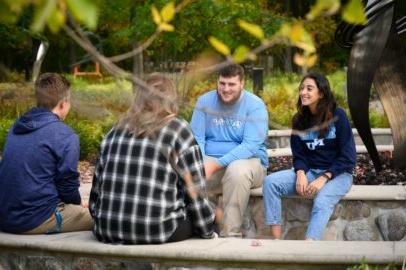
(38,170)
(335,153)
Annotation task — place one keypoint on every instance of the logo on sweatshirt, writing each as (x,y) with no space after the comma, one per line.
(219,121)
(316,142)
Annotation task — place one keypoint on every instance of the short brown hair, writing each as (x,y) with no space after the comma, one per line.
(231,71)
(50,88)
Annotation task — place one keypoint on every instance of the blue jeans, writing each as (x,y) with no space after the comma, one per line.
(283,183)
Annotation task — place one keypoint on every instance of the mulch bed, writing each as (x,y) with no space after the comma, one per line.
(364,173)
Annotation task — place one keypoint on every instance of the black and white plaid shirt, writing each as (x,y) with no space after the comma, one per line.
(139,192)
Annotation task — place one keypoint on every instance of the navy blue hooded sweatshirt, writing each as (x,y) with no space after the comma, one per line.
(38,170)
(335,153)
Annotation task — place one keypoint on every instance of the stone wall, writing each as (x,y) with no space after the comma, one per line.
(281,138)
(351,220)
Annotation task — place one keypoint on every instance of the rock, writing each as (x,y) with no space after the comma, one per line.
(391,204)
(43,262)
(86,264)
(355,210)
(296,233)
(297,209)
(262,229)
(338,211)
(360,230)
(392,226)
(330,233)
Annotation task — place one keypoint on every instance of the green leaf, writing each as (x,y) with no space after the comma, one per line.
(168,12)
(354,13)
(219,46)
(156,17)
(251,28)
(241,53)
(41,14)
(56,20)
(85,11)
(323,7)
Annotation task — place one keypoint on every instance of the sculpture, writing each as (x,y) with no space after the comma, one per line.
(377,57)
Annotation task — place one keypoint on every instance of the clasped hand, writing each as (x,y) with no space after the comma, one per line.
(307,190)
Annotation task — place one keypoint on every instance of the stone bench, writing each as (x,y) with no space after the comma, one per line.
(366,213)
(80,250)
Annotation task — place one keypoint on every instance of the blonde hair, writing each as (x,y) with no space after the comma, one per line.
(153,106)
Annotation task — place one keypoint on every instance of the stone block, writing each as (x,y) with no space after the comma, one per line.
(360,230)
(392,226)
(330,233)
(355,210)
(262,230)
(338,211)
(83,263)
(298,209)
(296,233)
(391,204)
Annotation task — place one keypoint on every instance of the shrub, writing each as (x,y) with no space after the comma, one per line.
(90,135)
(5,125)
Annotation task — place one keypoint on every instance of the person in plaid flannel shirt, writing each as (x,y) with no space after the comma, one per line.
(149,180)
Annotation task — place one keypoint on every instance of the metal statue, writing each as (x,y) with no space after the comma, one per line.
(377,57)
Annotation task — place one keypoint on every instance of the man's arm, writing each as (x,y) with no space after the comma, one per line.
(67,179)
(255,132)
(198,125)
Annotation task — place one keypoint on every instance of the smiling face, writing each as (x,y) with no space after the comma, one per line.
(229,89)
(310,94)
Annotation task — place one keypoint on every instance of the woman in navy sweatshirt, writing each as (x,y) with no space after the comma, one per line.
(324,156)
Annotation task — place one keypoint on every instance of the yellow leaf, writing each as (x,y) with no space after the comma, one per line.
(285,30)
(323,7)
(297,32)
(156,16)
(219,46)
(354,13)
(305,60)
(240,54)
(311,60)
(56,20)
(168,12)
(166,27)
(41,14)
(299,59)
(306,42)
(251,28)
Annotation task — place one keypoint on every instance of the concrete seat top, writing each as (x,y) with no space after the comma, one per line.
(365,192)
(229,250)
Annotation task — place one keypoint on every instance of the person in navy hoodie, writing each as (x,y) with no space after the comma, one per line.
(324,156)
(39,181)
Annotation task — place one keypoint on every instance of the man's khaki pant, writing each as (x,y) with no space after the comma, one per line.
(236,181)
(74,218)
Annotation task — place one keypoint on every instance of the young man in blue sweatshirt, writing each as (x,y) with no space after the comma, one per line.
(39,181)
(231,125)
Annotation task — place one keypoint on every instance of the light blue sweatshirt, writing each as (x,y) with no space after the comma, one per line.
(231,132)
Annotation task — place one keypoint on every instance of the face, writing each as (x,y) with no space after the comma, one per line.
(65,107)
(310,94)
(229,89)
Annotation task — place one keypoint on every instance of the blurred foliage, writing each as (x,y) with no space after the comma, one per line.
(124,24)
(96,106)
